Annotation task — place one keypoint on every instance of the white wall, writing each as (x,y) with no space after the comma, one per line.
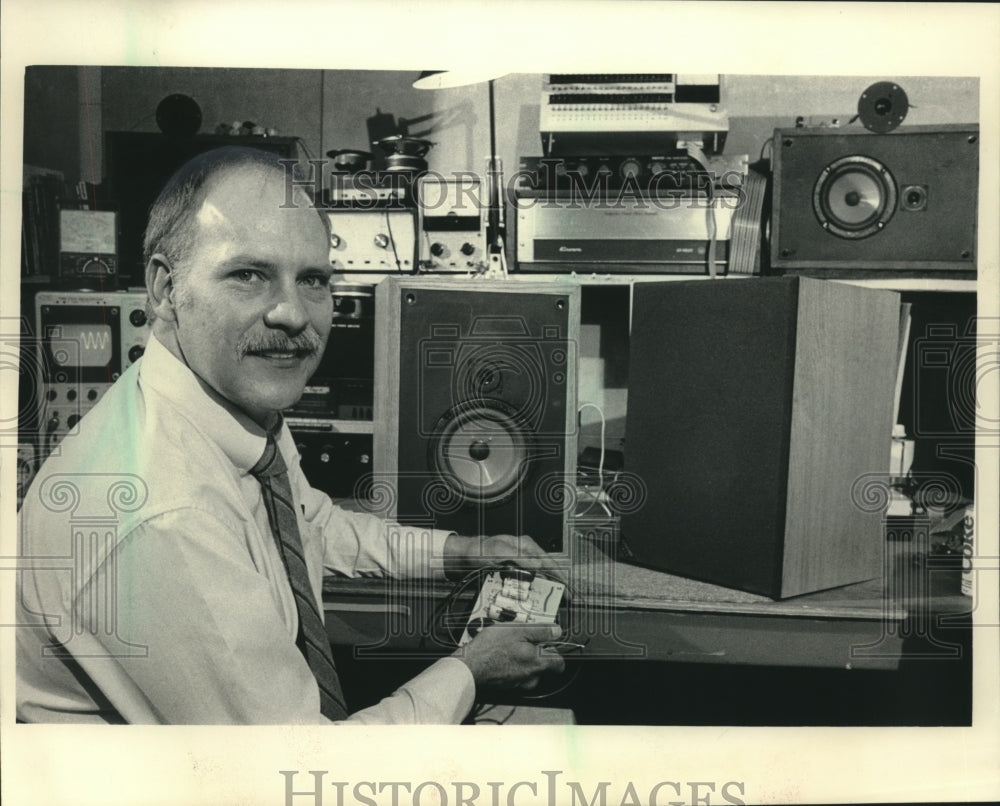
(328,109)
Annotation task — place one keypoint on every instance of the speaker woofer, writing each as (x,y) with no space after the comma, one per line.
(854,197)
(481,451)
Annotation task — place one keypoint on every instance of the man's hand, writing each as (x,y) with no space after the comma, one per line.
(512,655)
(464,554)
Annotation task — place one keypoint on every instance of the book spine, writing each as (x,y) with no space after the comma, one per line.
(968,552)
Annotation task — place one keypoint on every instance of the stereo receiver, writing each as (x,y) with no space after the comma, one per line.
(666,234)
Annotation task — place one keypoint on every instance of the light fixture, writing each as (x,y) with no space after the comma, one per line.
(446,79)
(495,225)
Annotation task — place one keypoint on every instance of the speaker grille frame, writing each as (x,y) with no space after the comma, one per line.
(399,431)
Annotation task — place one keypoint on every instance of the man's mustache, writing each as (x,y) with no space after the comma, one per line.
(306,343)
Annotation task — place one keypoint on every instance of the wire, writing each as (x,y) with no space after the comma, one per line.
(712,230)
(604,425)
(302,143)
(768,142)
(392,241)
(445,614)
(597,497)
(695,153)
(479,714)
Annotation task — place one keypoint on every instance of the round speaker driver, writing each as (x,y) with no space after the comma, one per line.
(481,451)
(854,197)
(882,107)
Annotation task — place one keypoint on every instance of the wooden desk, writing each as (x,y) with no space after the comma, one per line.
(630,613)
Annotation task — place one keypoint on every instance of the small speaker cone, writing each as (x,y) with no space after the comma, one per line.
(854,197)
(914,198)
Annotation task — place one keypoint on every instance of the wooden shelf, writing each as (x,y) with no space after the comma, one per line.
(330,426)
(598,279)
(916,284)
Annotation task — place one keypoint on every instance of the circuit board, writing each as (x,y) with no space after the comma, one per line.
(514,596)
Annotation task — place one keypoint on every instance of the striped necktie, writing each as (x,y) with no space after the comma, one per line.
(312,639)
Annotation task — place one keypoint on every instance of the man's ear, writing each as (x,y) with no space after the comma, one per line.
(160,287)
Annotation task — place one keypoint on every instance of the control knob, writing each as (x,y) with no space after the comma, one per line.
(629,168)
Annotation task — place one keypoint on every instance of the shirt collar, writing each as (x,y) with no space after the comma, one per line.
(239,437)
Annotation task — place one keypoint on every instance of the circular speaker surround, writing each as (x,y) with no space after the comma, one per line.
(854,197)
(481,450)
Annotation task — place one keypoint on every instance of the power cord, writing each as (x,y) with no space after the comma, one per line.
(695,153)
(598,497)
(392,243)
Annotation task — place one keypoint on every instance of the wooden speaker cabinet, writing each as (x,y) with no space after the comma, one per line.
(847,202)
(475,405)
(753,408)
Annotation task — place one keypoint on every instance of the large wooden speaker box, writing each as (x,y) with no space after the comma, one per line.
(849,202)
(754,408)
(475,405)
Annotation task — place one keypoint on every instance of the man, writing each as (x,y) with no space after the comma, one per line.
(192,548)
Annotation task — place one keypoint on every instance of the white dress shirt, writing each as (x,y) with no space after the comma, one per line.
(151,588)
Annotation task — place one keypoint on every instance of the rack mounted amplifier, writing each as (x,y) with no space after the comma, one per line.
(664,235)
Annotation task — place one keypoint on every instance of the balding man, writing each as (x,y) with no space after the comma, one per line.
(202,605)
